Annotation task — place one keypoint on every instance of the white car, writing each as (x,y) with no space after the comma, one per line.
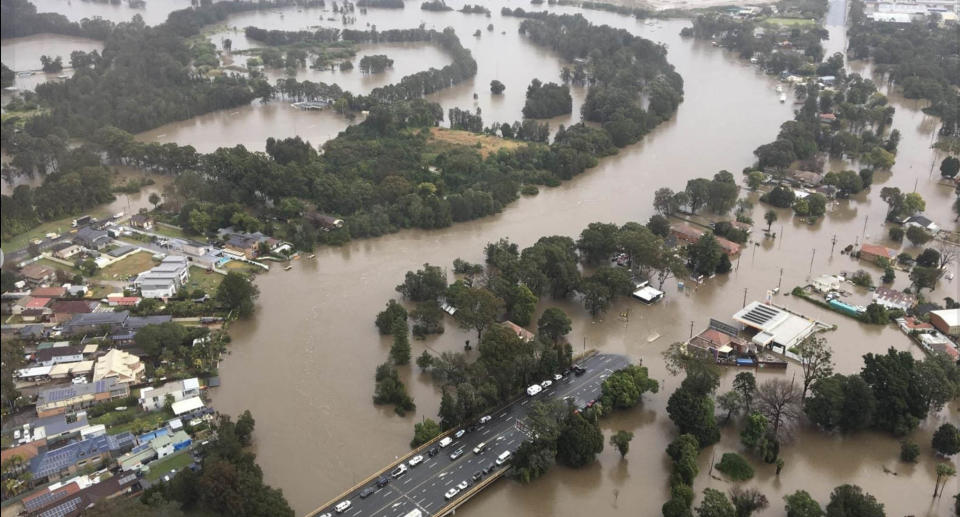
(459,434)
(546,384)
(399,471)
(416,460)
(463,485)
(557,377)
(480,448)
(342,506)
(484,419)
(533,390)
(451,493)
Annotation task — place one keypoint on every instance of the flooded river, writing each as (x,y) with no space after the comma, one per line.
(304,364)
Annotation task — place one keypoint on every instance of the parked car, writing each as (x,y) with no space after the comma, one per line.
(546,384)
(463,484)
(399,471)
(382,481)
(557,377)
(477,476)
(342,506)
(456,454)
(416,460)
(488,468)
(451,493)
(433,451)
(445,441)
(367,492)
(484,419)
(533,390)
(459,434)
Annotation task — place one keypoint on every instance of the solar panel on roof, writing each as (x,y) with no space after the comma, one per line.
(63,508)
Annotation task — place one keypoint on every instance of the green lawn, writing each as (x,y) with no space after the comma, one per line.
(169,231)
(800,22)
(132,264)
(202,279)
(176,461)
(131,419)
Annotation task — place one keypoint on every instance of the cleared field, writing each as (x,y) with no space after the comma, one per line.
(798,22)
(488,144)
(202,279)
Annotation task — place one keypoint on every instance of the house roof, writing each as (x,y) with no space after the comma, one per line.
(51,292)
(91,235)
(519,331)
(35,271)
(117,363)
(920,220)
(99,318)
(949,316)
(877,250)
(72,306)
(895,297)
(686,230)
(34,502)
(53,461)
(72,391)
(26,451)
(34,303)
(186,405)
(48,354)
(74,368)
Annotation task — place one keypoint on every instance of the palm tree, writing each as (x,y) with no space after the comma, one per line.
(770,217)
(944,471)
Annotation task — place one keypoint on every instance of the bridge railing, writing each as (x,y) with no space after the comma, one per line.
(466,496)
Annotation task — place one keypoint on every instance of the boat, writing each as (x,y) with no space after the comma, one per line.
(779,89)
(288,268)
(783,97)
(312,256)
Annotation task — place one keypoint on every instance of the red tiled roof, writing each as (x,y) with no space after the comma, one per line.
(877,250)
(52,292)
(687,230)
(71,307)
(26,451)
(730,247)
(947,349)
(715,337)
(36,303)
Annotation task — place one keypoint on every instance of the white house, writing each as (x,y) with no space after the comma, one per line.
(922,222)
(164,279)
(187,405)
(152,399)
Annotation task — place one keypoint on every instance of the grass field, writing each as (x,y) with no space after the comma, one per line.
(61,225)
(114,420)
(132,264)
(177,461)
(488,144)
(202,279)
(798,22)
(169,231)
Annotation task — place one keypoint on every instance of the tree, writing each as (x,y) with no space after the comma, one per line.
(945,471)
(691,409)
(237,293)
(400,349)
(852,501)
(731,402)
(391,390)
(746,385)
(553,324)
(949,167)
(387,318)
(715,504)
(428,283)
(924,278)
(659,225)
(496,87)
(735,466)
(909,451)
(929,257)
(918,236)
(896,233)
(477,308)
(800,504)
(621,440)
(946,440)
(704,255)
(624,388)
(779,401)
(664,201)
(154,199)
(816,361)
(153,339)
(579,442)
(747,501)
(597,242)
(754,180)
(424,360)
(424,431)
(244,428)
(842,402)
(898,388)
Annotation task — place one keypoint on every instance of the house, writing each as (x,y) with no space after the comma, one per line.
(522,333)
(71,370)
(323,221)
(828,118)
(119,300)
(68,399)
(910,324)
(719,340)
(922,222)
(729,247)
(947,348)
(49,497)
(56,426)
(120,251)
(49,292)
(242,245)
(164,279)
(27,452)
(946,321)
(91,238)
(75,504)
(65,310)
(67,251)
(647,293)
(152,399)
(686,234)
(95,322)
(75,290)
(32,332)
(187,405)
(195,248)
(775,327)
(119,365)
(76,456)
(805,178)
(893,299)
(57,355)
(36,274)
(826,283)
(874,252)
(828,80)
(30,302)
(141,221)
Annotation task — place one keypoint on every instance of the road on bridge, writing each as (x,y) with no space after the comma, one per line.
(423,487)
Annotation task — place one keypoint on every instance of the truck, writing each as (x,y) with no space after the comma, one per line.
(81,221)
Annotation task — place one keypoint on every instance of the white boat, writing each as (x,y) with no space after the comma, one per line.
(779,89)
(783,97)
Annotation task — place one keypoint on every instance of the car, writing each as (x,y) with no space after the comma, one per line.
(367,492)
(416,460)
(557,377)
(579,371)
(456,454)
(546,384)
(533,390)
(490,467)
(342,506)
(459,434)
(591,403)
(485,418)
(433,451)
(463,485)
(482,446)
(477,476)
(382,481)
(451,493)
(399,471)
(445,442)
(328,514)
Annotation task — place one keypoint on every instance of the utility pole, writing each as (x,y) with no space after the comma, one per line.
(833,244)
(814,254)
(744,297)
(780,281)
(864,235)
(691,329)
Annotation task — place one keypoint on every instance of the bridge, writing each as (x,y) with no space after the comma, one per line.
(424,487)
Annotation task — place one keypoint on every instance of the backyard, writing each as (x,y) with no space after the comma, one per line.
(131,265)
(203,279)
(177,461)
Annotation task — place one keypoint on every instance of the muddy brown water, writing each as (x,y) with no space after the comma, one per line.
(304,364)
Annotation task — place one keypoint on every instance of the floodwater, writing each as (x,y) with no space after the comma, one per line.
(153,13)
(304,364)
(23,55)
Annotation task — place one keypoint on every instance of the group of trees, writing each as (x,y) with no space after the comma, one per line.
(560,435)
(375,64)
(719,195)
(621,67)
(61,194)
(547,100)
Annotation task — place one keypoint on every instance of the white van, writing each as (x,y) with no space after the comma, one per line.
(444,442)
(533,390)
(503,458)
(342,506)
